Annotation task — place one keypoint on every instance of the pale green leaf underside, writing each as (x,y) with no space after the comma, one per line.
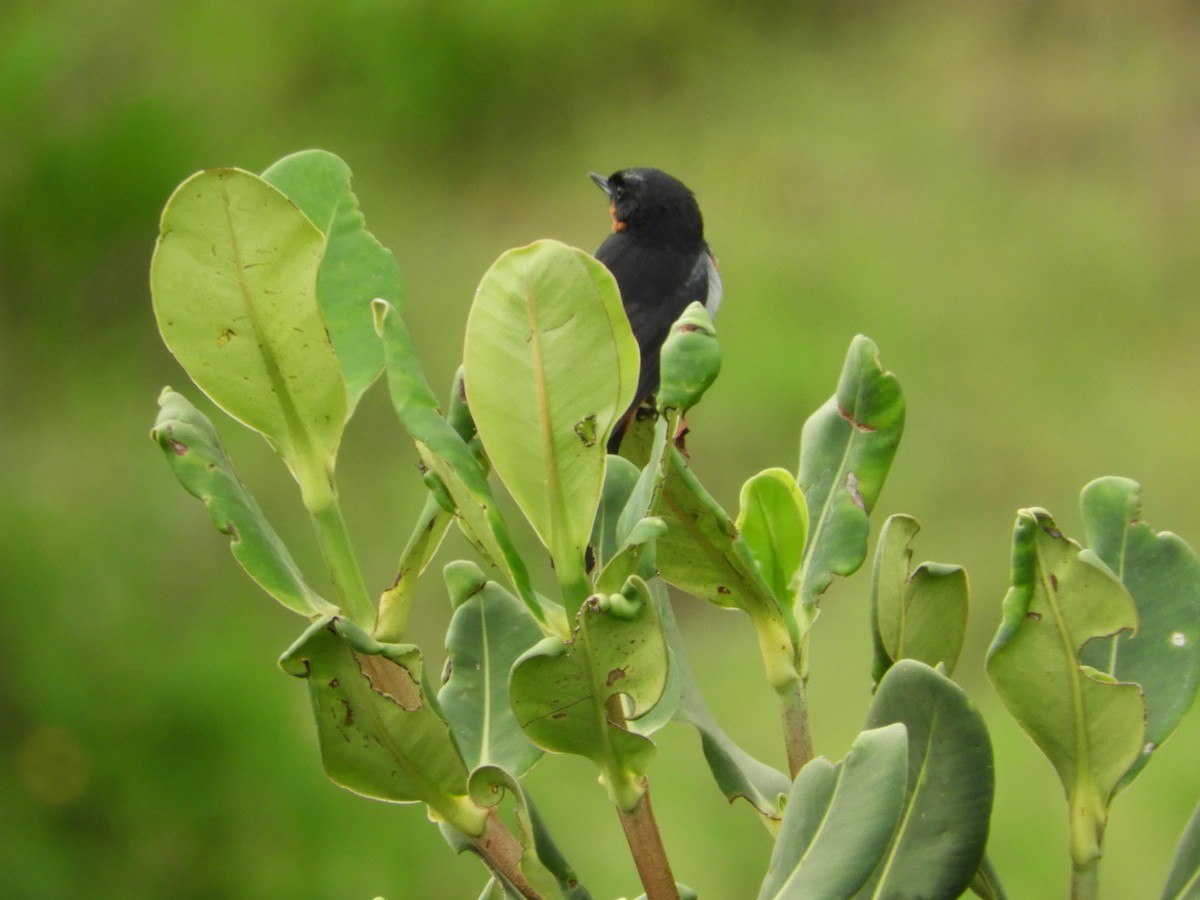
(234,281)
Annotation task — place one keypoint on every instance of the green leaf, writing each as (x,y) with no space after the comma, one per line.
(356,268)
(488,785)
(198,458)
(1091,731)
(986,883)
(620,478)
(490,781)
(703,554)
(575,697)
(380,735)
(551,363)
(395,603)
(736,772)
(773,521)
(489,630)
(1162,574)
(918,614)
(846,450)
(448,456)
(234,281)
(690,359)
(943,830)
(839,819)
(1183,882)
(550,856)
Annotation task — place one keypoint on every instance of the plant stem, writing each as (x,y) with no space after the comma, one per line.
(502,852)
(649,854)
(395,603)
(1085,881)
(343,567)
(797,738)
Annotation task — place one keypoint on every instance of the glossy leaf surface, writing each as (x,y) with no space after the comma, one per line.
(773,521)
(943,830)
(839,819)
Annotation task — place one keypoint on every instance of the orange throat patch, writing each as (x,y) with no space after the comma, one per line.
(618,225)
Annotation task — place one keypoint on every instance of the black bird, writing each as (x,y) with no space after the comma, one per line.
(661,262)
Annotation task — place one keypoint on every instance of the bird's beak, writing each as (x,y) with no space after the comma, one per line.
(601,182)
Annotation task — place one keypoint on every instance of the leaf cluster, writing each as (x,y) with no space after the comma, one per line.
(284,310)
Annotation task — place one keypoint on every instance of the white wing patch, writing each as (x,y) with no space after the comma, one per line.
(714,285)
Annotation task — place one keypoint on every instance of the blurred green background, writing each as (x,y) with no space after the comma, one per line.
(1004,195)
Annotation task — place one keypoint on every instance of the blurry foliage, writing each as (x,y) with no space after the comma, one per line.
(1006,196)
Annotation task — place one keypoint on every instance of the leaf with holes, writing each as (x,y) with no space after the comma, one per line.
(575,697)
(551,363)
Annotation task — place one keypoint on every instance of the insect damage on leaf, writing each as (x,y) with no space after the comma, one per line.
(390,680)
(586,429)
(849,417)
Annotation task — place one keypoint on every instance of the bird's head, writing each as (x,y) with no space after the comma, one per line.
(653,205)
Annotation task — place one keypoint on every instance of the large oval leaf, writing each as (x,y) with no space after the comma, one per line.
(1162,574)
(943,830)
(234,281)
(355,269)
(839,819)
(1089,726)
(551,363)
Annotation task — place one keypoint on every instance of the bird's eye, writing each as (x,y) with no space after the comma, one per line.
(619,193)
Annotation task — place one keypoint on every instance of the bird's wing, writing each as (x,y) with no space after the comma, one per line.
(713,300)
